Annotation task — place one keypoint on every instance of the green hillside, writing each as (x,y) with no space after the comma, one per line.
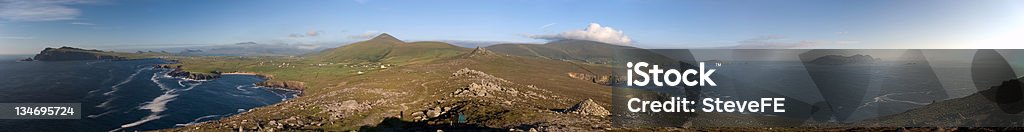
(388,49)
(370,50)
(574,50)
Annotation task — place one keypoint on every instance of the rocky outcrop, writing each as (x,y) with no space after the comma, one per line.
(588,107)
(481,51)
(177,71)
(603,80)
(193,75)
(842,60)
(477,52)
(294,85)
(476,89)
(346,108)
(486,86)
(70,54)
(466,72)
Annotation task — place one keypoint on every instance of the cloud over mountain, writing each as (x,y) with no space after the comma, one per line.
(593,32)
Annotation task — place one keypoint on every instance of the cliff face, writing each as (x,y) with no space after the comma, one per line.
(69,54)
(294,85)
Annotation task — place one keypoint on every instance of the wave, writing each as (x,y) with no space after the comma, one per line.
(126,80)
(156,76)
(110,77)
(240,88)
(191,86)
(198,120)
(179,83)
(136,123)
(116,87)
(101,114)
(885,98)
(283,97)
(157,106)
(105,104)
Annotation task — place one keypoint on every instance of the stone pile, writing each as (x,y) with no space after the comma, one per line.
(588,107)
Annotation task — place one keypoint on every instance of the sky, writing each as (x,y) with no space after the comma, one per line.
(28,26)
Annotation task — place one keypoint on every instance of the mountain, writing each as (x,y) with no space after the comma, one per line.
(388,49)
(574,50)
(71,53)
(473,44)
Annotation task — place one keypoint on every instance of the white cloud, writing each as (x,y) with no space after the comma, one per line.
(593,32)
(546,26)
(40,10)
(311,33)
(365,35)
(83,23)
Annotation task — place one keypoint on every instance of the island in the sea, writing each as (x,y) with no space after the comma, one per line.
(71,53)
(842,60)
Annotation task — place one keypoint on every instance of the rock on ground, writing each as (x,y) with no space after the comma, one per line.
(588,107)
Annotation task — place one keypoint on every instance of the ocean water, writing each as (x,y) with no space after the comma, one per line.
(847,93)
(126,95)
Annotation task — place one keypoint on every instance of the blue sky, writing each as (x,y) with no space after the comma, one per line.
(28,26)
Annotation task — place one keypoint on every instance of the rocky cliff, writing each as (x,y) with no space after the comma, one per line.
(70,53)
(294,85)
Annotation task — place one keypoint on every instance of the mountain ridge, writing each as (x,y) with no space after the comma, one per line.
(572,50)
(387,48)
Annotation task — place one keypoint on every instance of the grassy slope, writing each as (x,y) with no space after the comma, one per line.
(422,76)
(575,50)
(323,69)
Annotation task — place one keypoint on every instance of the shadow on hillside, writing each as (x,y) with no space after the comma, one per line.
(391,124)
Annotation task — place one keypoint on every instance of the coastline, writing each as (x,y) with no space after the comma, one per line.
(270,82)
(177,71)
(265,76)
